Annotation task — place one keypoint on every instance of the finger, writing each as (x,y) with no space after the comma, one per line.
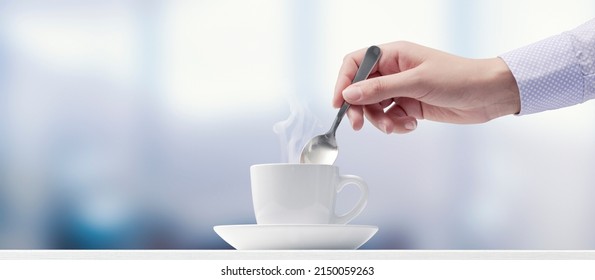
(355,114)
(402,84)
(412,107)
(395,119)
(386,103)
(346,75)
(402,123)
(375,114)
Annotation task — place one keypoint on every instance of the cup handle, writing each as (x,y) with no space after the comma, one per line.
(361,203)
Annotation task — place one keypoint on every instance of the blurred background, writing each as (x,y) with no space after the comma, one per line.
(133,124)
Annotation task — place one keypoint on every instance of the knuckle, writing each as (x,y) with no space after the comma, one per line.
(349,58)
(346,58)
(402,43)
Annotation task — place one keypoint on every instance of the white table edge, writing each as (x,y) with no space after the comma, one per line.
(298,254)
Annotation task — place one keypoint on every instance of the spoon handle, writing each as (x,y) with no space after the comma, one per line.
(370,59)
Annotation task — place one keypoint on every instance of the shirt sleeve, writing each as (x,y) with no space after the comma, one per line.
(556,72)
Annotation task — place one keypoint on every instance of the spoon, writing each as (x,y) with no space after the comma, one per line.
(323,149)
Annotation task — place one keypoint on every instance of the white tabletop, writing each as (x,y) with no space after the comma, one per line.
(297,255)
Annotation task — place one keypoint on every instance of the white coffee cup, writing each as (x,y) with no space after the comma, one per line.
(287,193)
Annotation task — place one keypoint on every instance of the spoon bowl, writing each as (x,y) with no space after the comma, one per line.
(323,149)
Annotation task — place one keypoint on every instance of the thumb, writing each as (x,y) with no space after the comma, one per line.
(374,90)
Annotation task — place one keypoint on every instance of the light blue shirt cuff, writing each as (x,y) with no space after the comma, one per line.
(556,72)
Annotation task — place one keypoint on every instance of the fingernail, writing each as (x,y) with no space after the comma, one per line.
(352,93)
(410,125)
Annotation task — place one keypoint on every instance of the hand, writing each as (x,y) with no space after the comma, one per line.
(413,82)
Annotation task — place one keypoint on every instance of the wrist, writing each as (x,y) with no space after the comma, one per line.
(504,98)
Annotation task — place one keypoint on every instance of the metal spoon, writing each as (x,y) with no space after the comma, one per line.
(323,149)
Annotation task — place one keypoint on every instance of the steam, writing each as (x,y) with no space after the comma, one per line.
(296,130)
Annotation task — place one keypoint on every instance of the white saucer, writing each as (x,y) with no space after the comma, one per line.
(296,237)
